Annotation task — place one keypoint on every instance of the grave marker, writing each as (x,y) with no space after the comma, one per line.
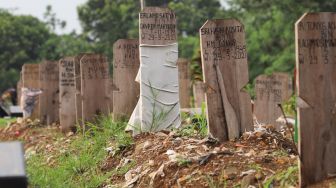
(49,99)
(158,107)
(225,72)
(110,89)
(271,90)
(184,82)
(316,64)
(94,72)
(18,90)
(30,79)
(125,68)
(67,95)
(199,94)
(78,97)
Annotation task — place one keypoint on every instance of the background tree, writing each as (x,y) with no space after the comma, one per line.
(26,39)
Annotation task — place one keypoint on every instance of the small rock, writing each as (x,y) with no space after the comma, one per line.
(161,134)
(247,181)
(230,173)
(247,172)
(151,163)
(217,149)
(69,134)
(147,144)
(205,147)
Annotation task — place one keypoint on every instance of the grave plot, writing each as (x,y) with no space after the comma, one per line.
(125,68)
(225,72)
(184,82)
(94,73)
(271,90)
(30,91)
(67,96)
(158,107)
(316,65)
(199,94)
(49,99)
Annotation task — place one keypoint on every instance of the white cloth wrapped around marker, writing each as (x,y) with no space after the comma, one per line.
(158,107)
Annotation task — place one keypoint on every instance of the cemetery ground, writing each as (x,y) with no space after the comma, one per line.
(105,156)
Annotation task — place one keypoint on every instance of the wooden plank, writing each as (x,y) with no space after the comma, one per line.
(125,68)
(157,26)
(271,90)
(184,82)
(78,99)
(316,65)
(199,94)
(18,90)
(49,99)
(31,79)
(94,73)
(110,90)
(67,95)
(225,72)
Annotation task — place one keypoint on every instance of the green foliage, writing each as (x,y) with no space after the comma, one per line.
(79,165)
(21,39)
(197,127)
(25,39)
(270,34)
(4,122)
(106,21)
(286,178)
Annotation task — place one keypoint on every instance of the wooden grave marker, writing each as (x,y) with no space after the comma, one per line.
(184,82)
(125,68)
(199,94)
(78,97)
(31,80)
(271,90)
(67,95)
(94,72)
(19,90)
(225,72)
(158,107)
(49,99)
(315,40)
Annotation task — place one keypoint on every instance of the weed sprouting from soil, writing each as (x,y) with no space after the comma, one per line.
(79,165)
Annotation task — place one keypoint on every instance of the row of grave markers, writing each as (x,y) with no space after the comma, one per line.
(75,89)
(85,87)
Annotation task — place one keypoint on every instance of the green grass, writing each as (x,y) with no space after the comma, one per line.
(198,126)
(4,122)
(79,166)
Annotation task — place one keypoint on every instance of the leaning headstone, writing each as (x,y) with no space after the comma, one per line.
(12,165)
(30,86)
(225,70)
(271,90)
(316,65)
(125,68)
(94,72)
(49,99)
(67,95)
(158,107)
(184,82)
(199,94)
